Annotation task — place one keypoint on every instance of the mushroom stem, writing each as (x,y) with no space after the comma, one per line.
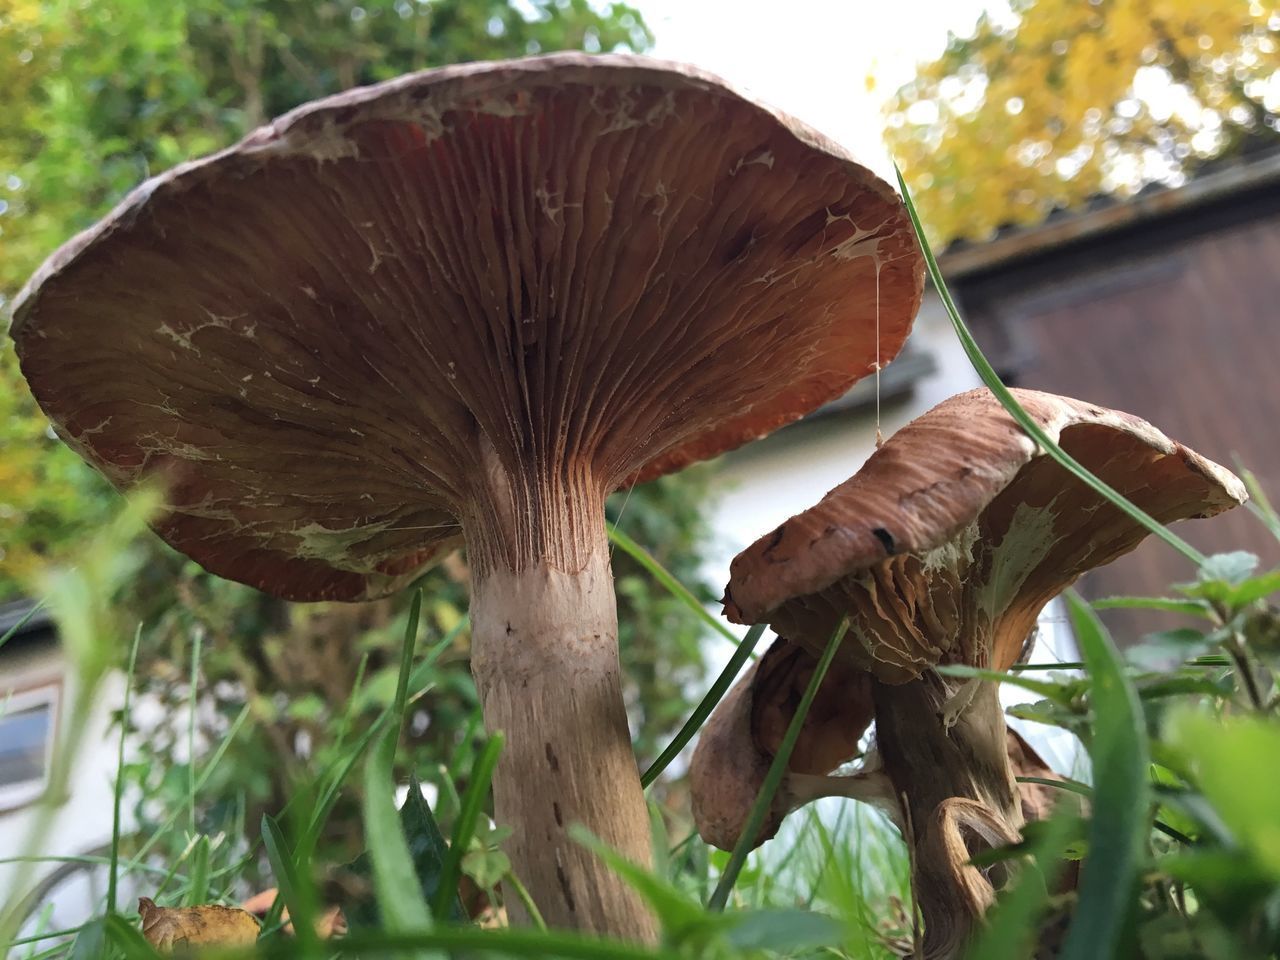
(545,661)
(931,765)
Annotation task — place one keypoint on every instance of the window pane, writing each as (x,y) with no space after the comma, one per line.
(23,735)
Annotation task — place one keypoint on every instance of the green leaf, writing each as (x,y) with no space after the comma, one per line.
(428,849)
(465,825)
(401,903)
(1255,588)
(90,942)
(784,930)
(678,914)
(486,867)
(1193,608)
(1167,649)
(1234,567)
(1122,795)
(1062,691)
(126,938)
(1052,714)
(1234,763)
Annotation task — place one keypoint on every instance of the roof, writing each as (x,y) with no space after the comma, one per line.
(22,623)
(24,615)
(1252,170)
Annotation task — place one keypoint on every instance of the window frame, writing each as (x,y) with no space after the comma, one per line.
(36,692)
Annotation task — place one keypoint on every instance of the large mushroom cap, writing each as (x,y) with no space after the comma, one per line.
(960,527)
(598,269)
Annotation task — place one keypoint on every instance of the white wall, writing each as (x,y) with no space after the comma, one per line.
(82,821)
(768,481)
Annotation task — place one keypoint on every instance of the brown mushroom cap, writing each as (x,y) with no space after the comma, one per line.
(598,269)
(952,537)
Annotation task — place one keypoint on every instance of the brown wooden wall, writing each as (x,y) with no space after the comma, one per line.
(1176,322)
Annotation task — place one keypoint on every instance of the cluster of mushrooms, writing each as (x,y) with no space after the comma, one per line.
(464,306)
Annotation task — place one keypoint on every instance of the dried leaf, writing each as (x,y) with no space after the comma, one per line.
(212,925)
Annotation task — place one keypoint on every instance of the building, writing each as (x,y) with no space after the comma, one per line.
(36,691)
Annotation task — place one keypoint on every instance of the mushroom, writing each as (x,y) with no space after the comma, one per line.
(741,737)
(467,304)
(943,549)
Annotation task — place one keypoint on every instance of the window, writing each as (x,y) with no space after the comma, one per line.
(27,721)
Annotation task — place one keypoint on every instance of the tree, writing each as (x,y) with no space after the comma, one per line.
(98,95)
(1070,99)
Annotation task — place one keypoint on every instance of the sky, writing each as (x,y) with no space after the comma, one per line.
(811,58)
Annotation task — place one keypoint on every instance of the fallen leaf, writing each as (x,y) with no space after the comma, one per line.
(210,925)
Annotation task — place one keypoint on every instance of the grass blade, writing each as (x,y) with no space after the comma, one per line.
(22,622)
(191,731)
(464,827)
(197,892)
(127,940)
(720,896)
(707,704)
(406,655)
(113,873)
(1122,795)
(294,883)
(1010,403)
(401,904)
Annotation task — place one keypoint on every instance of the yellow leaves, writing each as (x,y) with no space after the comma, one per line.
(168,928)
(1074,98)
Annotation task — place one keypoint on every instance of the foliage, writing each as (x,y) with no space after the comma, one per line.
(105,93)
(100,94)
(1069,100)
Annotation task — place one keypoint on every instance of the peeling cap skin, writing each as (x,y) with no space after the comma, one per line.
(953,536)
(577,271)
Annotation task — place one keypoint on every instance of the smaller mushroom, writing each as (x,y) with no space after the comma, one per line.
(943,549)
(742,736)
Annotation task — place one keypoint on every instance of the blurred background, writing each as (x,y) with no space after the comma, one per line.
(1101,178)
